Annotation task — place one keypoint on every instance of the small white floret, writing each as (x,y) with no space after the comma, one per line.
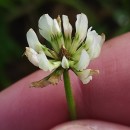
(81,26)
(84,76)
(67,26)
(32,56)
(56,29)
(83,61)
(44,62)
(45,26)
(94,42)
(65,63)
(33,40)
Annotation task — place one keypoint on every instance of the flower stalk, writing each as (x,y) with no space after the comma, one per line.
(69,95)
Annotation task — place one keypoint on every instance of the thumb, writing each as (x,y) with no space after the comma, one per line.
(90,125)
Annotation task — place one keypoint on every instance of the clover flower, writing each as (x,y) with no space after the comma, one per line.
(66,52)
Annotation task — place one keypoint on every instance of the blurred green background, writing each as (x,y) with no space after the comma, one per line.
(16,16)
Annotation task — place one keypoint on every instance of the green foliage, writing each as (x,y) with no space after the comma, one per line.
(8,49)
(109,16)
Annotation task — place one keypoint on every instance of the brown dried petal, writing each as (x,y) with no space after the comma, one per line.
(54,79)
(41,83)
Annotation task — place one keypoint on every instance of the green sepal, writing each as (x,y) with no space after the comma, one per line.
(50,53)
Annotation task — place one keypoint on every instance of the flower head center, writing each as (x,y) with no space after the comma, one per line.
(64,52)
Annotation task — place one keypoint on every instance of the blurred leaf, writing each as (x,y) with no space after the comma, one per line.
(8,46)
(121,17)
(109,4)
(122,30)
(125,5)
(23,9)
(8,50)
(6,4)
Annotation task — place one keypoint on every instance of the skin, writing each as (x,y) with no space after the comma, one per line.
(106,97)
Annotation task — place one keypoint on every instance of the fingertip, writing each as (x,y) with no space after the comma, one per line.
(107,95)
(90,125)
(36,108)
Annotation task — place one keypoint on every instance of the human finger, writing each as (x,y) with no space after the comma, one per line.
(90,125)
(107,96)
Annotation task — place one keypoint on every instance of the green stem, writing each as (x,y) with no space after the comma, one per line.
(69,95)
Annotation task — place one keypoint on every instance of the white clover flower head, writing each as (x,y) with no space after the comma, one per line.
(65,52)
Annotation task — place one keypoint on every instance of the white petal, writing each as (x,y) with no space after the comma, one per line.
(84,75)
(33,40)
(87,80)
(44,62)
(94,42)
(32,56)
(56,29)
(59,41)
(45,26)
(67,26)
(81,26)
(65,63)
(83,61)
